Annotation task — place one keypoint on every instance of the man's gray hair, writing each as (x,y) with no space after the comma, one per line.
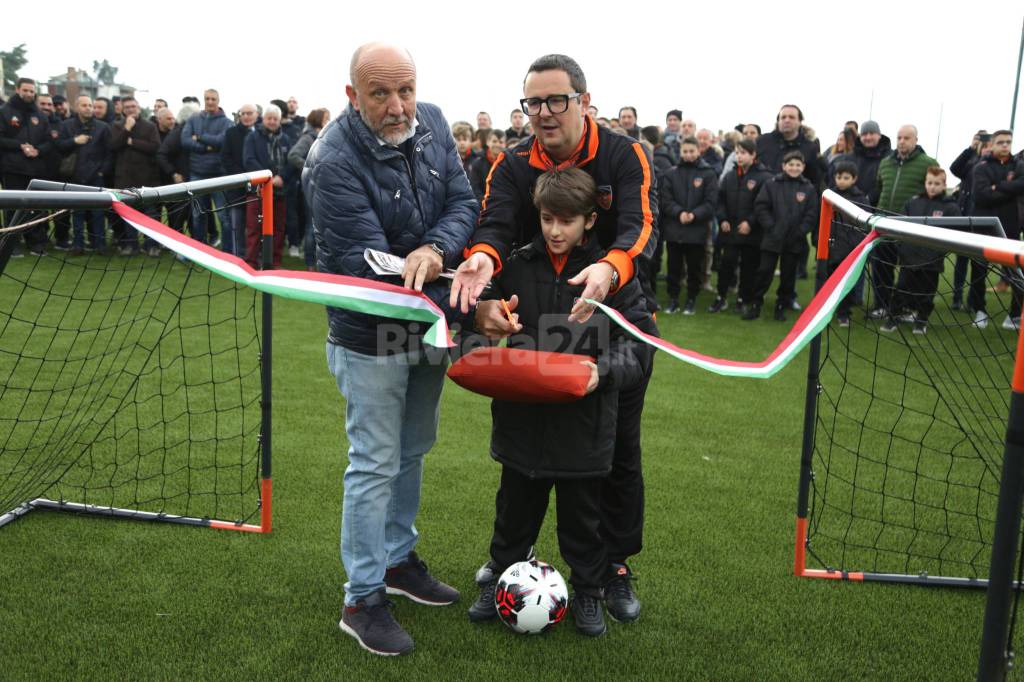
(272,109)
(560,62)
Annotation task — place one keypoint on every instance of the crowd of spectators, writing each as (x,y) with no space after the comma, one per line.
(107,142)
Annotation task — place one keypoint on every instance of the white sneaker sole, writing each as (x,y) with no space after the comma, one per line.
(349,631)
(418,600)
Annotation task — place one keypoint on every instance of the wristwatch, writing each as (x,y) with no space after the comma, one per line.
(615,279)
(437,249)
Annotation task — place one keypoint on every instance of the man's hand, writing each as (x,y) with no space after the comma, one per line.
(277,181)
(81,139)
(594,378)
(724,226)
(744,228)
(491,321)
(685,217)
(195,138)
(421,266)
(597,281)
(470,279)
(129,123)
(30,151)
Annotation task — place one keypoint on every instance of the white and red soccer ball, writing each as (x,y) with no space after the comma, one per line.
(531,597)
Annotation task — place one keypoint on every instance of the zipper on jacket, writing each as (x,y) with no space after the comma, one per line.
(895,184)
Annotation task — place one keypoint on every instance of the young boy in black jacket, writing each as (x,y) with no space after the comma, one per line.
(688,196)
(567,446)
(787,209)
(739,234)
(920,266)
(844,235)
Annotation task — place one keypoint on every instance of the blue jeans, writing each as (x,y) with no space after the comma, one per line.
(393,405)
(238,228)
(97,228)
(201,207)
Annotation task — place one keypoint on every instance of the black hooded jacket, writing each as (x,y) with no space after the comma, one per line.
(736,204)
(567,440)
(997,187)
(772,148)
(921,257)
(787,209)
(20,123)
(690,187)
(867,161)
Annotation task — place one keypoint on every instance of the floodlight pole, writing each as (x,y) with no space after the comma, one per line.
(1016,83)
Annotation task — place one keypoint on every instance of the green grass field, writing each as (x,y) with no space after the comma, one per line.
(88,598)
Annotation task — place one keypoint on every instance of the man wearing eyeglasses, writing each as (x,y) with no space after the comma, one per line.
(556,100)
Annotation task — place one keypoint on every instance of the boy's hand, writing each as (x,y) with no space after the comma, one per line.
(592,384)
(744,228)
(724,226)
(470,279)
(491,320)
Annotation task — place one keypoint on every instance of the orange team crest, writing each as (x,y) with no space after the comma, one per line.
(800,196)
(604,197)
(15,122)
(697,182)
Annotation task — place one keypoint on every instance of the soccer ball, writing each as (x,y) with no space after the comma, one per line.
(531,597)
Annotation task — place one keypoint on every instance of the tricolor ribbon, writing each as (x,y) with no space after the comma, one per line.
(351,293)
(387,300)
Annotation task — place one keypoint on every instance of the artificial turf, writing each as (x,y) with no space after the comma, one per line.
(88,598)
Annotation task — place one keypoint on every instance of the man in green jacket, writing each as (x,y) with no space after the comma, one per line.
(900,177)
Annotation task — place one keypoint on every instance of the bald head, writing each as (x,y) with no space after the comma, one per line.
(906,139)
(376,56)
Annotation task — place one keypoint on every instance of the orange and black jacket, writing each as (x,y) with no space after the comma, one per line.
(627,198)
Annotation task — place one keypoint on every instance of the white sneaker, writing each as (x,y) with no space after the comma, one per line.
(1011,323)
(981,319)
(293,251)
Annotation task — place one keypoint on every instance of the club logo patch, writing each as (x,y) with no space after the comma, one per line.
(697,182)
(604,197)
(800,196)
(751,184)
(15,122)
(937,213)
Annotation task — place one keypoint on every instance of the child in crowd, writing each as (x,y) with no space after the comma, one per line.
(739,234)
(787,210)
(463,134)
(920,266)
(480,168)
(688,196)
(843,235)
(567,446)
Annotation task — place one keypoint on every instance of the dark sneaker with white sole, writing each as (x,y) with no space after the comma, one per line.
(588,614)
(371,623)
(411,579)
(623,605)
(483,609)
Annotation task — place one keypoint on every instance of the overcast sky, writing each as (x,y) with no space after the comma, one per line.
(720,62)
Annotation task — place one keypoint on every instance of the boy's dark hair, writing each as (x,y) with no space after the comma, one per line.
(848,167)
(749,145)
(674,112)
(795,154)
(1002,132)
(497,132)
(568,192)
(560,62)
(651,134)
(689,140)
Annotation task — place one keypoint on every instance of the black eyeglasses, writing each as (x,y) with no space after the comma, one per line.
(557,104)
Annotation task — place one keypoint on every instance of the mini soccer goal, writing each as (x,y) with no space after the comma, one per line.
(135,384)
(911,468)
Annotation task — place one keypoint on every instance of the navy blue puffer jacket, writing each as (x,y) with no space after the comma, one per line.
(367,195)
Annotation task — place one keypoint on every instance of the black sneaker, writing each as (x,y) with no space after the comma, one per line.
(889,326)
(623,605)
(876,314)
(718,306)
(753,312)
(411,579)
(690,307)
(920,327)
(844,320)
(673,307)
(780,313)
(588,614)
(957,304)
(371,623)
(483,609)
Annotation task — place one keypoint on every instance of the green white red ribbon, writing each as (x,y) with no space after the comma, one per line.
(338,291)
(387,300)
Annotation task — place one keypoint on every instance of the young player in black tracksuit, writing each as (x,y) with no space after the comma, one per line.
(688,197)
(738,230)
(480,167)
(787,209)
(567,446)
(920,266)
(844,236)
